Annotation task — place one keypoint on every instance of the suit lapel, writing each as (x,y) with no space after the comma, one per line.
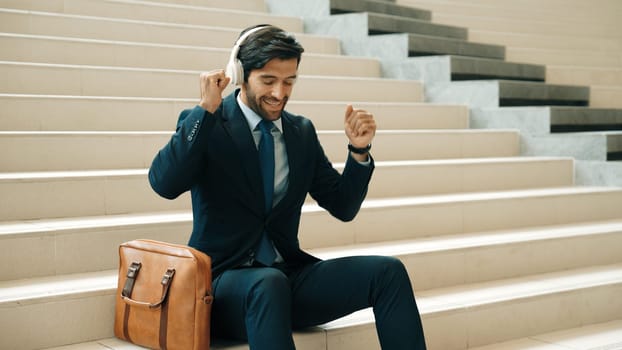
(292,137)
(237,127)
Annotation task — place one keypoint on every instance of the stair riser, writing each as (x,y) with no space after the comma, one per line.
(524,26)
(42,50)
(571,58)
(209,15)
(79,251)
(407,222)
(489,263)
(538,41)
(583,76)
(521,12)
(606,97)
(106,81)
(522,318)
(38,326)
(106,195)
(33,152)
(247,5)
(93,28)
(66,114)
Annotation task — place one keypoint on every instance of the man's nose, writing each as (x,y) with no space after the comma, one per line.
(279,91)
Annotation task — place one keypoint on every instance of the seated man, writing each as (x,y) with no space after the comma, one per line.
(249,165)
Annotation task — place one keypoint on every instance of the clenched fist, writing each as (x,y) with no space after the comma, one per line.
(213,83)
(360,127)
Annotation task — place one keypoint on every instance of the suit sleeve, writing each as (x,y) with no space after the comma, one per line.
(176,167)
(340,194)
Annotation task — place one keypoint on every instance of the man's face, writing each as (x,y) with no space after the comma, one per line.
(269,88)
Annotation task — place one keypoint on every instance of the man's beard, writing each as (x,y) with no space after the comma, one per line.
(255,104)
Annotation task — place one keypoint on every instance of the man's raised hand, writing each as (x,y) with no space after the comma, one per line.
(360,126)
(212,83)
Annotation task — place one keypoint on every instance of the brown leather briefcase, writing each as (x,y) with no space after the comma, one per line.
(164,296)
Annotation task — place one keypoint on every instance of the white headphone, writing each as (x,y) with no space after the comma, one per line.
(234,69)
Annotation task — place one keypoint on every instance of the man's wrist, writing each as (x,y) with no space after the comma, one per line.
(359,150)
(209,107)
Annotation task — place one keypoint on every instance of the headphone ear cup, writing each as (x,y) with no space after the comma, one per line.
(235,71)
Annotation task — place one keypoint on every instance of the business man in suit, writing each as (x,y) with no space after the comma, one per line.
(249,165)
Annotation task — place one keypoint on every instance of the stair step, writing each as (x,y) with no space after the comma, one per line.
(535,303)
(37,78)
(63,50)
(530,93)
(541,121)
(469,68)
(425,45)
(442,69)
(92,27)
(90,193)
(201,13)
(606,335)
(54,245)
(89,113)
(433,262)
(386,24)
(507,93)
(387,8)
(585,119)
(58,151)
(593,145)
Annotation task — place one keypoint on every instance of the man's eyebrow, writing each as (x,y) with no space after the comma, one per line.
(270,76)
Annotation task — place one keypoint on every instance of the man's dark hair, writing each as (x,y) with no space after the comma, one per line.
(265,44)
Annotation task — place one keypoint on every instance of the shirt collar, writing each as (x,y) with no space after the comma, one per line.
(253,118)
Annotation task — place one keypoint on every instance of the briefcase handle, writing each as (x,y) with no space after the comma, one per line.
(129,285)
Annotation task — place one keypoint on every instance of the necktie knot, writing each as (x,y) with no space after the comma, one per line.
(265,126)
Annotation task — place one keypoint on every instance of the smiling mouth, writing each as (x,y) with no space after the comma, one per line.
(273,103)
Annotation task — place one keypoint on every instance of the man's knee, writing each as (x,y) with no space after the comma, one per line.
(391,269)
(270,284)
(390,264)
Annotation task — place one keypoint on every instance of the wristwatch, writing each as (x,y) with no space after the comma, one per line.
(358,150)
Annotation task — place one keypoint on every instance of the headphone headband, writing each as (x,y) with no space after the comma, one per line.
(234,69)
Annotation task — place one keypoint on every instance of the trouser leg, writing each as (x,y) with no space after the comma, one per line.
(334,288)
(254,304)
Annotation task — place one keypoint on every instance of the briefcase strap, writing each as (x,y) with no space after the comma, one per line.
(166,284)
(132,272)
(126,293)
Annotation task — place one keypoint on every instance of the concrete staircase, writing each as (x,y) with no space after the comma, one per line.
(499,247)
(506,62)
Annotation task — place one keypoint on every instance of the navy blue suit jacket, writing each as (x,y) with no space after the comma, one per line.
(215,157)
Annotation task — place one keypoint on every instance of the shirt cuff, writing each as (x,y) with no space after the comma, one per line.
(365,163)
